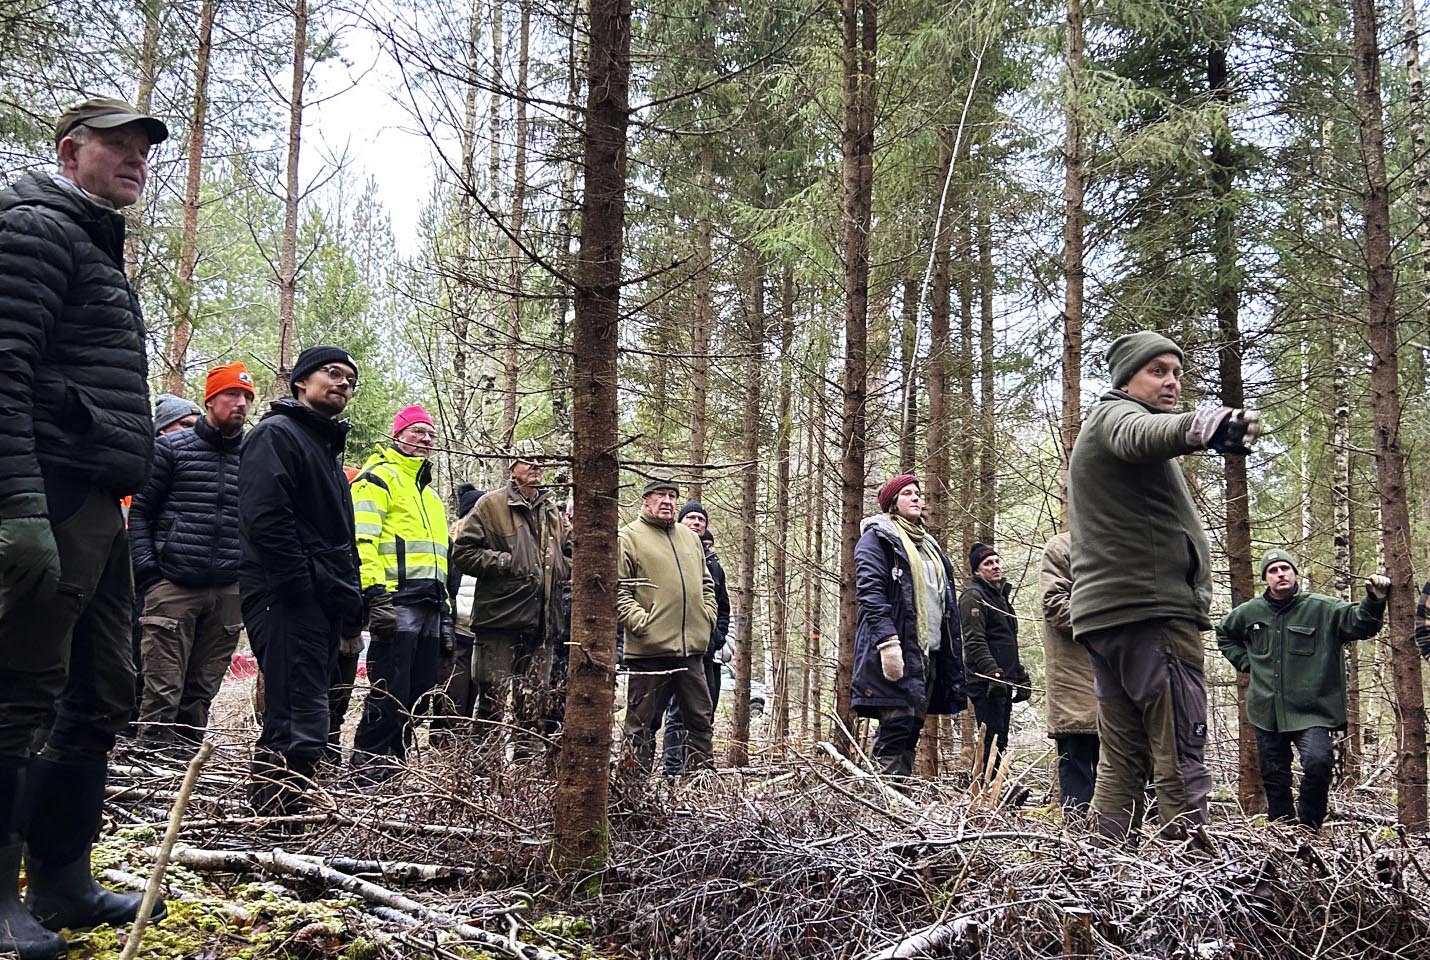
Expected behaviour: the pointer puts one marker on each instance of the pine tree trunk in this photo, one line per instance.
(779, 584)
(744, 612)
(1420, 172)
(968, 403)
(178, 352)
(1249, 791)
(288, 250)
(860, 31)
(987, 414)
(510, 367)
(580, 835)
(1074, 179)
(809, 662)
(703, 321)
(816, 628)
(940, 493)
(1385, 404)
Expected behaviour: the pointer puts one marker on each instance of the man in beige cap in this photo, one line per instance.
(77, 436)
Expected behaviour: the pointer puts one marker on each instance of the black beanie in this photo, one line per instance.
(693, 506)
(979, 553)
(319, 356)
(467, 496)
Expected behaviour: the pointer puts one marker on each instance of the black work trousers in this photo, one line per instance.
(401, 666)
(995, 713)
(296, 646)
(1313, 745)
(66, 664)
(1077, 769)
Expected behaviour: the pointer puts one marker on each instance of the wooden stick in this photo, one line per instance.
(161, 862)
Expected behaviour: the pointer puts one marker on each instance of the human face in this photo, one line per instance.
(660, 504)
(908, 504)
(991, 569)
(696, 522)
(186, 423)
(417, 440)
(1280, 579)
(327, 389)
(1158, 383)
(228, 409)
(113, 164)
(526, 475)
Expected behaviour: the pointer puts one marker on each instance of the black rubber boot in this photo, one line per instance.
(20, 933)
(64, 803)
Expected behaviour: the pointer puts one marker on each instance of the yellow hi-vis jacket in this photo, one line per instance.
(401, 523)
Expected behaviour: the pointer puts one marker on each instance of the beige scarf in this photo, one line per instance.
(930, 583)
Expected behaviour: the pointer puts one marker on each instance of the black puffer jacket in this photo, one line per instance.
(296, 515)
(74, 395)
(183, 527)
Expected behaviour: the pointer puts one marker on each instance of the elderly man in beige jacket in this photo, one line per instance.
(1072, 705)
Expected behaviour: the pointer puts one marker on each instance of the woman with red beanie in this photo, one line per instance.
(908, 659)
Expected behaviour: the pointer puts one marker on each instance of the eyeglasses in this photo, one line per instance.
(421, 433)
(334, 372)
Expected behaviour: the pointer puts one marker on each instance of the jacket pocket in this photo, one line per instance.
(1301, 640)
(1194, 561)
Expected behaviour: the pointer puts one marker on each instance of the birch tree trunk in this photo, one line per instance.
(1385, 403)
(580, 836)
(779, 585)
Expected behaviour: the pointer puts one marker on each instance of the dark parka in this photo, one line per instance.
(885, 586)
(74, 393)
(721, 630)
(990, 639)
(296, 514)
(183, 526)
(1296, 658)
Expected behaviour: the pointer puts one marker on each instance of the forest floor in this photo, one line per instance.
(797, 857)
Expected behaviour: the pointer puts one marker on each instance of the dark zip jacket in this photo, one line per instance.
(183, 526)
(296, 514)
(990, 639)
(74, 392)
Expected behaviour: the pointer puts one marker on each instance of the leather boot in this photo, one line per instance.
(20, 933)
(64, 802)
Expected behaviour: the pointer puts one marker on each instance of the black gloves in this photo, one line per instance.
(1225, 430)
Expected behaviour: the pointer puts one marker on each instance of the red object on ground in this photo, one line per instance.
(244, 666)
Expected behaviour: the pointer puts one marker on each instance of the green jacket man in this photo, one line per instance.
(1292, 645)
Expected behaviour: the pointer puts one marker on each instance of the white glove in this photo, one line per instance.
(726, 652)
(891, 659)
(1377, 585)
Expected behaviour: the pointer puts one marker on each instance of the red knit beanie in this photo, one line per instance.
(407, 416)
(889, 492)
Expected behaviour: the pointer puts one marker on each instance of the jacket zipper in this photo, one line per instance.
(680, 570)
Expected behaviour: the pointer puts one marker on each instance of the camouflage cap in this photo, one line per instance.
(106, 113)
(525, 451)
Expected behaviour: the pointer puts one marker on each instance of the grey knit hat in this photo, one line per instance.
(1131, 352)
(169, 410)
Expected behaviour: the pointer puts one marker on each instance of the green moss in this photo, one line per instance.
(564, 925)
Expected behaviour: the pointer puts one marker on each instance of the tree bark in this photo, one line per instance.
(288, 251)
(1420, 174)
(909, 379)
(1343, 548)
(177, 359)
(779, 586)
(1385, 404)
(987, 414)
(744, 611)
(940, 506)
(143, 100)
(560, 362)
(510, 366)
(703, 320)
(494, 106)
(1227, 298)
(580, 834)
(967, 418)
(1075, 221)
(860, 33)
(816, 628)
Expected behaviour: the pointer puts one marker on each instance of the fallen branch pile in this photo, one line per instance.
(799, 861)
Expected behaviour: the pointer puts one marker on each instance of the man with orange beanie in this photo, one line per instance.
(183, 533)
(401, 526)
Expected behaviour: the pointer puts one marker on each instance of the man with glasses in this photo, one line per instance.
(298, 577)
(402, 544)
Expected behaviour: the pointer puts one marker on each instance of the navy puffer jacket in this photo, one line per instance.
(885, 586)
(74, 392)
(183, 527)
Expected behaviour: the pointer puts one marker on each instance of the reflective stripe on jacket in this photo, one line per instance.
(400, 522)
